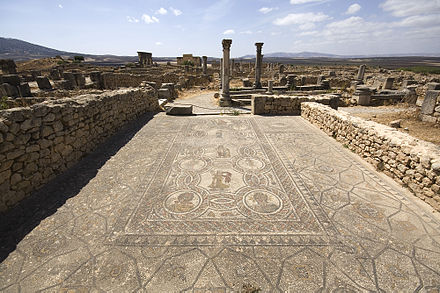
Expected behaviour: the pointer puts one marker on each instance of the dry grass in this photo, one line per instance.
(422, 130)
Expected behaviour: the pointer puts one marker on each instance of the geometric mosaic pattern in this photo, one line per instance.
(222, 182)
(223, 204)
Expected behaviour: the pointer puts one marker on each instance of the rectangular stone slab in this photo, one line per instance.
(429, 102)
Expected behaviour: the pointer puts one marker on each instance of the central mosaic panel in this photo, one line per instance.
(220, 181)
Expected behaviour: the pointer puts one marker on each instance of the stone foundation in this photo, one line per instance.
(290, 105)
(43, 140)
(413, 163)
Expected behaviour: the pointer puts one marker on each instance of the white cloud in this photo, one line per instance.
(161, 11)
(310, 33)
(293, 2)
(158, 43)
(176, 12)
(229, 32)
(275, 33)
(149, 19)
(307, 26)
(301, 18)
(420, 21)
(132, 19)
(354, 8)
(246, 32)
(266, 10)
(60, 6)
(403, 8)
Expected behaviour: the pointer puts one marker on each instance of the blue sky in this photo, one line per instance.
(171, 27)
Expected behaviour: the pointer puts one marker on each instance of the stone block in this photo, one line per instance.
(8, 66)
(69, 76)
(388, 83)
(429, 102)
(180, 110)
(24, 89)
(55, 74)
(95, 76)
(407, 83)
(79, 79)
(164, 94)
(433, 86)
(43, 83)
(12, 79)
(10, 90)
(246, 82)
(64, 84)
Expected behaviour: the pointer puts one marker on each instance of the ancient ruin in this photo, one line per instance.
(277, 176)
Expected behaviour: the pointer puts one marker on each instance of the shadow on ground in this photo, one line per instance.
(16, 223)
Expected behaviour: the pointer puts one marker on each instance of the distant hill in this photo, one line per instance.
(285, 55)
(20, 51)
(294, 55)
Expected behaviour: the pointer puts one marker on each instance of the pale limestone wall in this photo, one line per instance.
(291, 105)
(413, 163)
(43, 140)
(117, 80)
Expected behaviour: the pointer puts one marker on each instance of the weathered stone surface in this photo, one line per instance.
(10, 90)
(39, 141)
(395, 123)
(25, 90)
(291, 105)
(382, 146)
(433, 86)
(12, 79)
(246, 204)
(429, 102)
(180, 110)
(43, 83)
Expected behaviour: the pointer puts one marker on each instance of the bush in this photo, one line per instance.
(78, 58)
(3, 103)
(189, 63)
(422, 69)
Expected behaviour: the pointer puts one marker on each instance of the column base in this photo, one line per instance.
(225, 101)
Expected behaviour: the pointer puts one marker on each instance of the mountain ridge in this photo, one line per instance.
(20, 50)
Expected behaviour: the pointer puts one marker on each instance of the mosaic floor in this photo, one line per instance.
(226, 204)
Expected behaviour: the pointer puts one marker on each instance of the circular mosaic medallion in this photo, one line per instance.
(182, 202)
(250, 164)
(262, 202)
(193, 164)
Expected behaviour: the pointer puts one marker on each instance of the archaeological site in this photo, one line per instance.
(216, 171)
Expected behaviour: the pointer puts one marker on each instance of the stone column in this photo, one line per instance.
(270, 87)
(258, 63)
(205, 64)
(361, 72)
(225, 99)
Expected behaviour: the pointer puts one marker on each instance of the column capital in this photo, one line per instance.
(259, 45)
(226, 43)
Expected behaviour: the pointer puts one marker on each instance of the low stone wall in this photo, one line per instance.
(291, 105)
(43, 140)
(413, 163)
(117, 80)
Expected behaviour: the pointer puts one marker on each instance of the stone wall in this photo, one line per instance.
(413, 163)
(291, 105)
(117, 80)
(43, 140)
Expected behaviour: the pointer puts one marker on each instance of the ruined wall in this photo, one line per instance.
(409, 161)
(43, 140)
(275, 105)
(117, 80)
